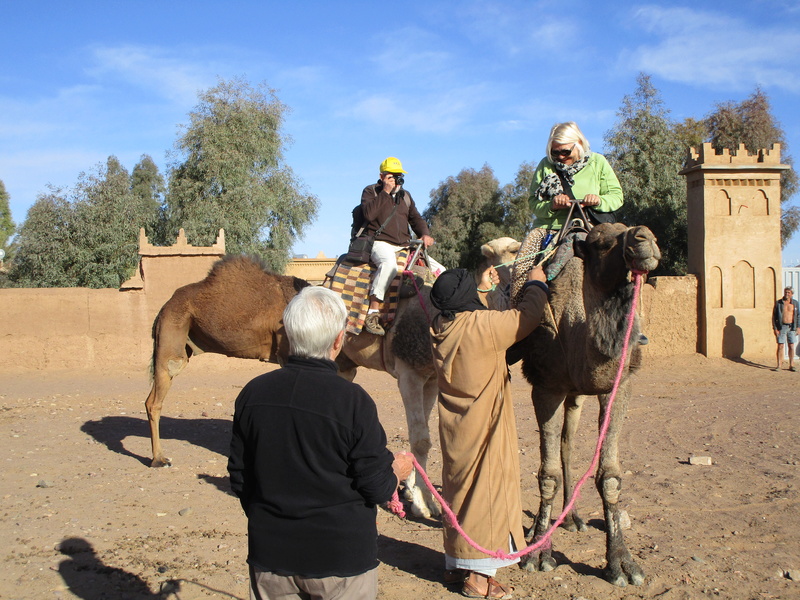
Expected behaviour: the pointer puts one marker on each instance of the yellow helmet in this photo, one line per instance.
(392, 165)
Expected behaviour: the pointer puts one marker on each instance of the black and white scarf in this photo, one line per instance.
(551, 184)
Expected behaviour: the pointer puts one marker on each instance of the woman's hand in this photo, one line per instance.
(560, 202)
(591, 200)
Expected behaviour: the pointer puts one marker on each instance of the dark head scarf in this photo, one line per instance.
(454, 291)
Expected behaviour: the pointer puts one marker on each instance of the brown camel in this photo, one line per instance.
(576, 352)
(236, 311)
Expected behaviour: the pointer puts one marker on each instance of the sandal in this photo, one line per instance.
(494, 589)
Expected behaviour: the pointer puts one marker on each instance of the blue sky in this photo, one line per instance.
(442, 85)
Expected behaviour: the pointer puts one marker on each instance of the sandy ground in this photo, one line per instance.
(84, 517)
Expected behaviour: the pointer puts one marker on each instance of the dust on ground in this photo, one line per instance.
(85, 517)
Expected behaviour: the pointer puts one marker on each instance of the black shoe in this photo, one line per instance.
(643, 340)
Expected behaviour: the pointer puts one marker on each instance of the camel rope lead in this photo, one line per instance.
(544, 541)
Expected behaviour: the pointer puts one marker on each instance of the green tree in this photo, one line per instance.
(149, 187)
(751, 123)
(464, 213)
(646, 154)
(45, 253)
(517, 218)
(86, 238)
(7, 227)
(108, 215)
(691, 133)
(230, 173)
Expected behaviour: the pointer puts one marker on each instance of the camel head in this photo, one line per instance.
(612, 250)
(501, 251)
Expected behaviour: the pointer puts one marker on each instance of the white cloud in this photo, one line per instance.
(153, 69)
(516, 28)
(712, 49)
(442, 112)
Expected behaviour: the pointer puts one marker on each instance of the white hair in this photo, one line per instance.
(567, 133)
(312, 320)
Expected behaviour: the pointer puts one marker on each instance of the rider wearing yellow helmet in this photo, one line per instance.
(378, 201)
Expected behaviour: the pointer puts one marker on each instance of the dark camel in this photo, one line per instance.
(574, 353)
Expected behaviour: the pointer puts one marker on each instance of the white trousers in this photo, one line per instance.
(384, 257)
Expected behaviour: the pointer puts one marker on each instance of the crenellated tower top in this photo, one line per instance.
(706, 156)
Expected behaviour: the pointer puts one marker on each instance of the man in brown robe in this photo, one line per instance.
(477, 429)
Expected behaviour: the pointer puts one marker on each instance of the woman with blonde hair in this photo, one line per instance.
(569, 170)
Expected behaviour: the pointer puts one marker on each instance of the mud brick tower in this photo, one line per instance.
(735, 247)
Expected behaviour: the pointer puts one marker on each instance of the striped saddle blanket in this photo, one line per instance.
(352, 283)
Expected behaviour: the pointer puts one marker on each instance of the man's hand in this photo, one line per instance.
(427, 240)
(389, 184)
(537, 274)
(403, 465)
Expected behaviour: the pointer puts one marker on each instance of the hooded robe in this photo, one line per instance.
(477, 429)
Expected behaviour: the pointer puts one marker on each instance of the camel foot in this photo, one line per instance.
(627, 571)
(419, 507)
(161, 461)
(574, 523)
(536, 561)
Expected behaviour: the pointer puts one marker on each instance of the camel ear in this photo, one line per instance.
(487, 251)
(514, 247)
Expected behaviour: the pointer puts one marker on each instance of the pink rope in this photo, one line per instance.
(396, 506)
(544, 541)
(412, 276)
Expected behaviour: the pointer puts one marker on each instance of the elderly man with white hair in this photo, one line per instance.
(309, 464)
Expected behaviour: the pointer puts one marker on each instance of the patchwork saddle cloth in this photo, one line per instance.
(352, 282)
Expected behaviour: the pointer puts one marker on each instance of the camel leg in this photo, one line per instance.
(572, 416)
(155, 399)
(169, 358)
(419, 396)
(621, 568)
(549, 408)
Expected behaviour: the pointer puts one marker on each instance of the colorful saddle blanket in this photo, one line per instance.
(352, 283)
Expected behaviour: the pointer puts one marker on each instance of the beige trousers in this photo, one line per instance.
(265, 585)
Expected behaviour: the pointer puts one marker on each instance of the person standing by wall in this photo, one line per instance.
(309, 464)
(785, 321)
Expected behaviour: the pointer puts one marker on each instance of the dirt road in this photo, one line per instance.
(84, 517)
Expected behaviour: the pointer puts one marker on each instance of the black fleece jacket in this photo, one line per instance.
(309, 463)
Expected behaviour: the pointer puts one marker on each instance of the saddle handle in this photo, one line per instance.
(419, 248)
(571, 223)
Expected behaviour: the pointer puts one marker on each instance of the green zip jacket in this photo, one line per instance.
(597, 177)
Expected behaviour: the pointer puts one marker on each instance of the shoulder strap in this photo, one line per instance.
(567, 187)
(386, 222)
(389, 218)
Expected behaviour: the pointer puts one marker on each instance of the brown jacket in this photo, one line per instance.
(477, 430)
(377, 206)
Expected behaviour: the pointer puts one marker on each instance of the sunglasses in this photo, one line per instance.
(563, 153)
